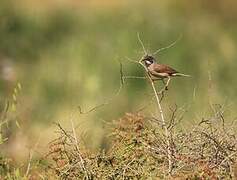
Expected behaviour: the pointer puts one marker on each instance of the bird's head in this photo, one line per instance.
(148, 60)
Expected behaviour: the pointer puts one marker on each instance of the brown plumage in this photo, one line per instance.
(159, 71)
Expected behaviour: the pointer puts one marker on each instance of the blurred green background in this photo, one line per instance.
(65, 54)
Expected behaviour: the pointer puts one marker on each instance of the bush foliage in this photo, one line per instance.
(138, 150)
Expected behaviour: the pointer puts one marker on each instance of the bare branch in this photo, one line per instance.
(142, 44)
(134, 77)
(164, 125)
(31, 156)
(77, 147)
(169, 46)
(121, 73)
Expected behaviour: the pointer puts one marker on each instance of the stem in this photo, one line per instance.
(167, 133)
(78, 149)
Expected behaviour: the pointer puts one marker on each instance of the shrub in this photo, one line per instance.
(138, 151)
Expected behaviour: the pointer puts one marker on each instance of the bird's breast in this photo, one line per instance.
(156, 73)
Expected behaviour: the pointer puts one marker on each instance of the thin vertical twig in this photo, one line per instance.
(164, 125)
(143, 47)
(31, 156)
(77, 147)
(158, 101)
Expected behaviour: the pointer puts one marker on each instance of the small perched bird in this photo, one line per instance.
(160, 71)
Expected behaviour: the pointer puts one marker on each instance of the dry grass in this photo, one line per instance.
(138, 151)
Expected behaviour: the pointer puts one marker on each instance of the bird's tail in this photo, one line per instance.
(180, 74)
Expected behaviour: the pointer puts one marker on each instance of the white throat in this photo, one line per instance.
(148, 62)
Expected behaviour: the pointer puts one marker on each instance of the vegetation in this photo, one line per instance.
(138, 150)
(58, 56)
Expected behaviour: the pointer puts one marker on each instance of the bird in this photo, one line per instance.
(159, 71)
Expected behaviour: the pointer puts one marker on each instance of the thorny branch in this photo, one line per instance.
(78, 149)
(139, 149)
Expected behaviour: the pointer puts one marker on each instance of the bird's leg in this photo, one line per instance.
(167, 83)
(164, 88)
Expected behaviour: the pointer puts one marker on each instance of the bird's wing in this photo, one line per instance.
(162, 68)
